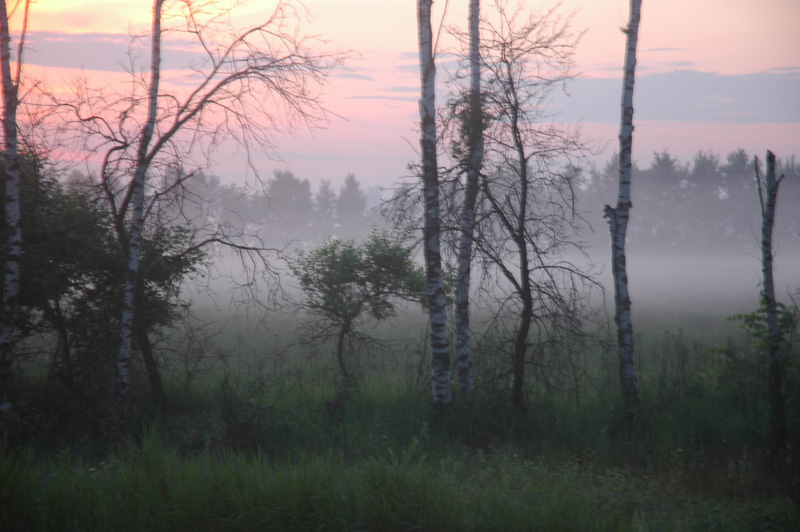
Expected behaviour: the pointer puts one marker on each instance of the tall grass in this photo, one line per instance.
(247, 444)
(151, 487)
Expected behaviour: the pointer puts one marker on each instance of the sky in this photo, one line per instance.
(713, 75)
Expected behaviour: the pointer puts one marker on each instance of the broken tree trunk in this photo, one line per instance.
(618, 224)
(767, 195)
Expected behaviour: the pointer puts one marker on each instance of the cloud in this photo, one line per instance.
(785, 70)
(665, 50)
(109, 52)
(353, 75)
(383, 97)
(688, 95)
(397, 88)
(408, 68)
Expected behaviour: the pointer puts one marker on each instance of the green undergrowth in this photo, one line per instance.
(150, 486)
(248, 445)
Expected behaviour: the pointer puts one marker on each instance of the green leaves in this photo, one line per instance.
(73, 271)
(342, 279)
(755, 323)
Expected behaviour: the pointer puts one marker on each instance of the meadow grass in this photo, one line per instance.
(152, 487)
(247, 445)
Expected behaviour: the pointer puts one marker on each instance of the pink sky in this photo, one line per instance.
(375, 137)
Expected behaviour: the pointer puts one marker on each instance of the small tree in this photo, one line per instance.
(70, 287)
(526, 222)
(345, 283)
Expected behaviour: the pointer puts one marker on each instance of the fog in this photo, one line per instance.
(693, 240)
(721, 284)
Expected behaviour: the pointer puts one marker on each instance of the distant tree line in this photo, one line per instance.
(707, 206)
(285, 211)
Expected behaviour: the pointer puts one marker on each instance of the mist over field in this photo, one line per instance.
(313, 265)
(693, 244)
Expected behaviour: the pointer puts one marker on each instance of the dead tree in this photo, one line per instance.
(618, 224)
(767, 197)
(527, 218)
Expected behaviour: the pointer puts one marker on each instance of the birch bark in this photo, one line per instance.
(143, 157)
(11, 201)
(767, 195)
(618, 225)
(475, 155)
(440, 341)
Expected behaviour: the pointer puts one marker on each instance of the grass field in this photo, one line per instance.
(246, 443)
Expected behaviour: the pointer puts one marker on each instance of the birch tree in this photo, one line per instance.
(11, 196)
(244, 85)
(474, 135)
(137, 191)
(618, 224)
(437, 304)
(767, 197)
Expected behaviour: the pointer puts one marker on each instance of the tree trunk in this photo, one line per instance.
(11, 203)
(157, 394)
(343, 332)
(134, 238)
(521, 349)
(525, 291)
(475, 129)
(618, 225)
(153, 377)
(66, 375)
(440, 341)
(777, 414)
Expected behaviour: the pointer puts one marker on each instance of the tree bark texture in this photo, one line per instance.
(134, 237)
(618, 224)
(440, 342)
(768, 194)
(475, 163)
(11, 203)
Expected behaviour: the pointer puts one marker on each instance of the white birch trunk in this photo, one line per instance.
(11, 203)
(767, 195)
(134, 237)
(475, 140)
(618, 224)
(440, 342)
